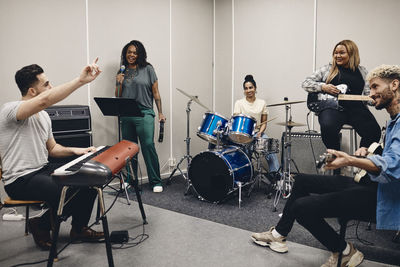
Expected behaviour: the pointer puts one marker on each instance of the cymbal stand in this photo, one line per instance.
(285, 184)
(188, 157)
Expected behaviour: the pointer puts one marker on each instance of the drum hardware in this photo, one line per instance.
(259, 175)
(219, 131)
(240, 185)
(285, 184)
(188, 157)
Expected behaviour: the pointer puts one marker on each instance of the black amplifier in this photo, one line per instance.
(70, 118)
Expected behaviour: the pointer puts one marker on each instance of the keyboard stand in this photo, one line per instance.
(53, 249)
(135, 185)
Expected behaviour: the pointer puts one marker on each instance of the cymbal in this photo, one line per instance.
(194, 98)
(290, 124)
(285, 103)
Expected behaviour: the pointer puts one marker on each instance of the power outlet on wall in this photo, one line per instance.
(171, 162)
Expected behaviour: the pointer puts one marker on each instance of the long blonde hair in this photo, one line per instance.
(354, 58)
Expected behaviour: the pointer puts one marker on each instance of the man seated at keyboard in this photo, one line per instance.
(26, 141)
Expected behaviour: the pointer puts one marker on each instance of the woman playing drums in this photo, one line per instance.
(256, 108)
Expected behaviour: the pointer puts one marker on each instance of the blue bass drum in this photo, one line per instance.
(211, 123)
(241, 129)
(214, 173)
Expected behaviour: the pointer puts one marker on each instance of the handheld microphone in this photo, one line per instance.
(161, 133)
(122, 69)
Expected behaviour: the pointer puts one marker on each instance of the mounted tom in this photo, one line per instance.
(317, 102)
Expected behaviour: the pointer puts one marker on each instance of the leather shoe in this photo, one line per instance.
(42, 237)
(86, 234)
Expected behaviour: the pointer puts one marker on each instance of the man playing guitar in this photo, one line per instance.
(316, 197)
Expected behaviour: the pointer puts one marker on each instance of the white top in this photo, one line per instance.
(255, 109)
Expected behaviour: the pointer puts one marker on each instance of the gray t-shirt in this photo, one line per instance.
(22, 143)
(138, 84)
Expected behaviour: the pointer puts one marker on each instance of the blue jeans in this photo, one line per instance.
(272, 159)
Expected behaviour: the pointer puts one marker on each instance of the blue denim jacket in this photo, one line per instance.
(388, 199)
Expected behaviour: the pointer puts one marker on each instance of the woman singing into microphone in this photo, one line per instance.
(139, 81)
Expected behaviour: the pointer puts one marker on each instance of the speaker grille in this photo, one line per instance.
(303, 145)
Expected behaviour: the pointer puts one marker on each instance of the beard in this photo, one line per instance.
(384, 104)
(386, 98)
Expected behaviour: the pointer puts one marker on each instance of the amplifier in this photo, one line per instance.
(70, 118)
(305, 150)
(76, 139)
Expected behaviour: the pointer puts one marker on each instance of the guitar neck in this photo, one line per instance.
(354, 97)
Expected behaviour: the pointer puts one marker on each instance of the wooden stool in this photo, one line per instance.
(10, 203)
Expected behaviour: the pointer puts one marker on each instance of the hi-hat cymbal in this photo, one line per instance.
(290, 124)
(285, 103)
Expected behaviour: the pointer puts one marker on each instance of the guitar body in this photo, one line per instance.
(318, 101)
(373, 149)
(315, 104)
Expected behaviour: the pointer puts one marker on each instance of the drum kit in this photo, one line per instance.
(218, 172)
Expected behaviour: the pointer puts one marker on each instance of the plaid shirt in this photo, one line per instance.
(313, 83)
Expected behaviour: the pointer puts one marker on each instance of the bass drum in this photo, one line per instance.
(214, 173)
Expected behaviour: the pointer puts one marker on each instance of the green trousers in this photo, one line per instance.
(143, 128)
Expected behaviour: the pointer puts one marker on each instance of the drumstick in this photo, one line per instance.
(258, 126)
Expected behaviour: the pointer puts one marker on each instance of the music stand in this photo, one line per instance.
(122, 107)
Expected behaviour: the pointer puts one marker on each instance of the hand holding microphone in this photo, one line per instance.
(120, 75)
(120, 79)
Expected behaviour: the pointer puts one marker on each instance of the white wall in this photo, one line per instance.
(271, 39)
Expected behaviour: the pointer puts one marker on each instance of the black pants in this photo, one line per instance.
(315, 197)
(41, 186)
(362, 120)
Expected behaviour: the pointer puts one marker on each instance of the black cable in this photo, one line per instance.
(362, 241)
(143, 237)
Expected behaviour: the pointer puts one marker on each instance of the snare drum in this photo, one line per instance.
(241, 129)
(266, 145)
(214, 173)
(211, 123)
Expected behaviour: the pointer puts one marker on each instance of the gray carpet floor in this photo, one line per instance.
(256, 214)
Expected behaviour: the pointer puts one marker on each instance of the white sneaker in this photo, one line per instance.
(157, 189)
(266, 239)
(353, 259)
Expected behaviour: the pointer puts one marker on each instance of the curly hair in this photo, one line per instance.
(385, 72)
(141, 52)
(354, 58)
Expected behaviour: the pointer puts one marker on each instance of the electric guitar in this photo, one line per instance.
(317, 102)
(373, 149)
